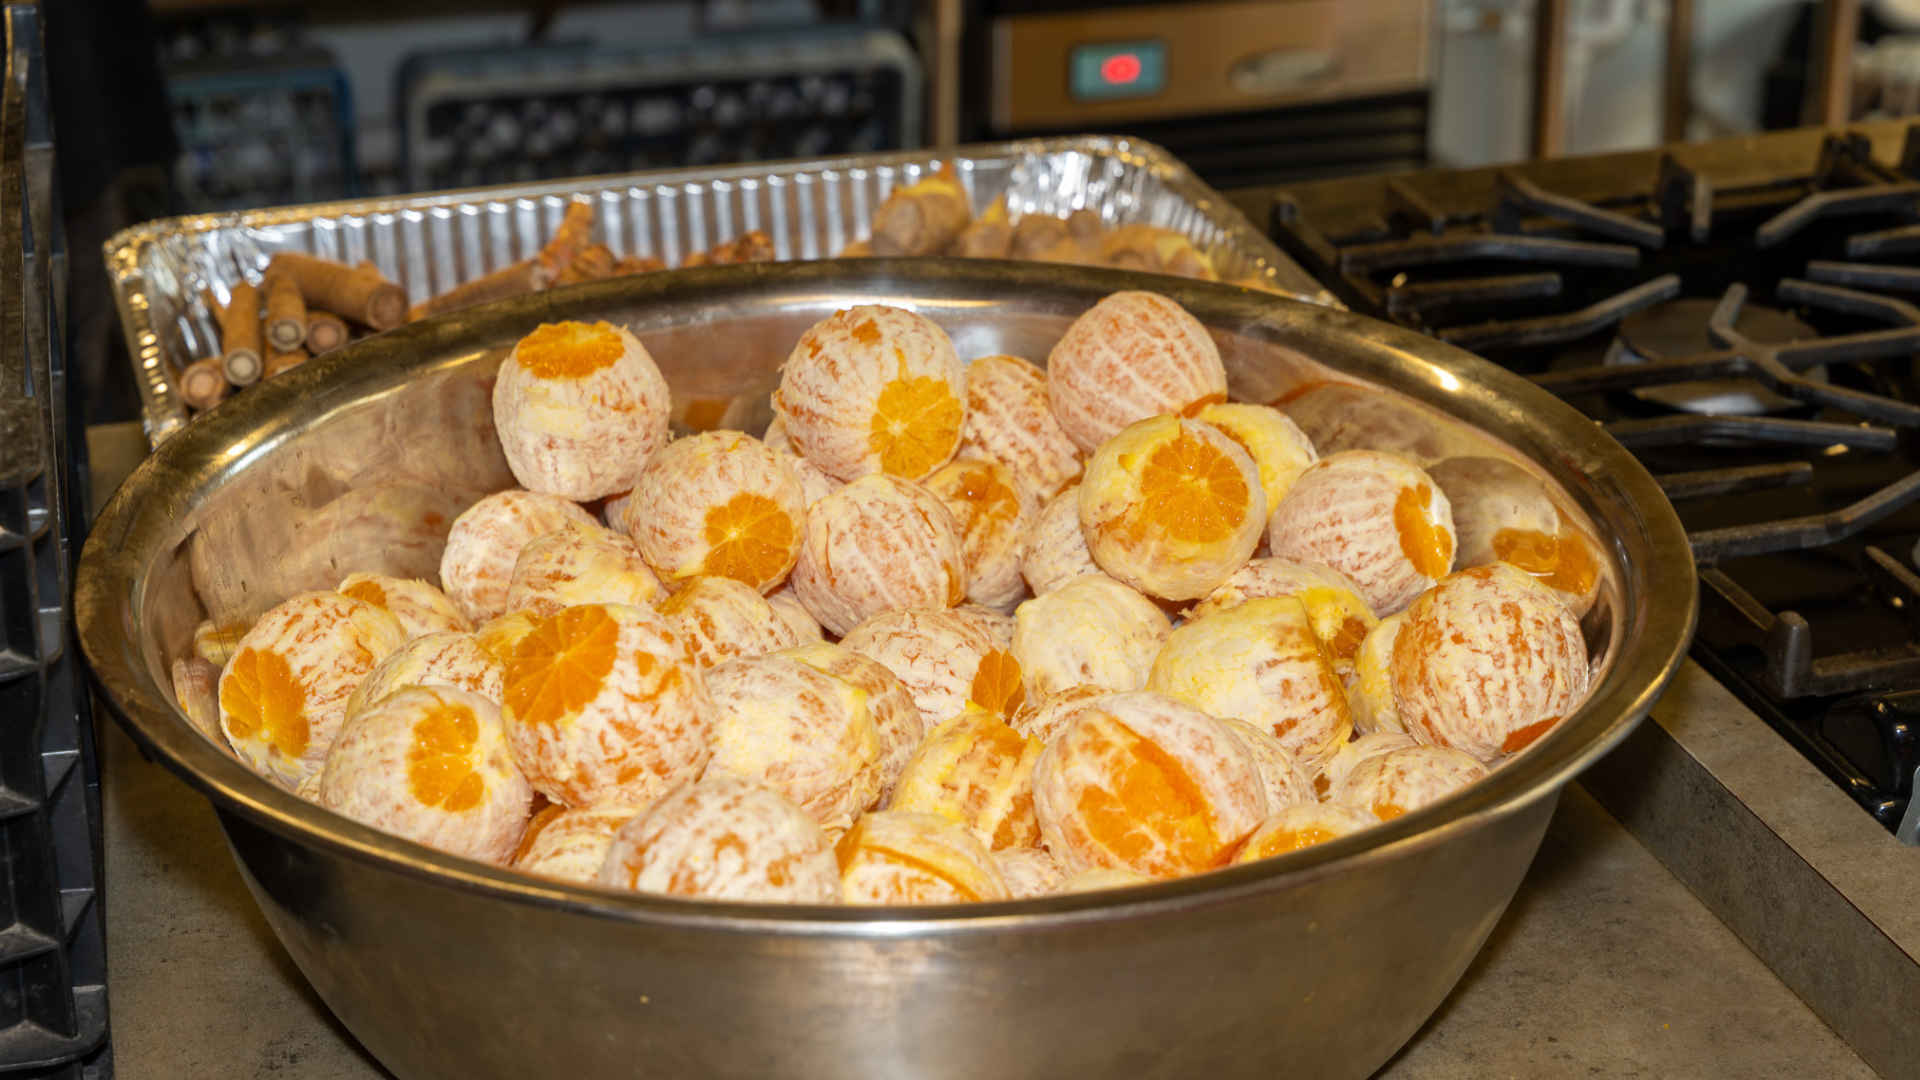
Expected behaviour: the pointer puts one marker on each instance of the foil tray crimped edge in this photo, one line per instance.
(812, 209)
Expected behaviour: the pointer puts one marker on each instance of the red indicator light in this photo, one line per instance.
(1120, 68)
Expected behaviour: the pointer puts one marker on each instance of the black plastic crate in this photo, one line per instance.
(262, 131)
(53, 998)
(473, 117)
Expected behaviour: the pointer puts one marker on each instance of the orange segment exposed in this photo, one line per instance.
(704, 414)
(921, 866)
(542, 818)
(560, 667)
(997, 684)
(1427, 546)
(501, 636)
(988, 496)
(1002, 749)
(1281, 841)
(1193, 408)
(1239, 440)
(750, 539)
(1331, 688)
(1560, 562)
(1345, 642)
(569, 350)
(1152, 806)
(439, 765)
(367, 592)
(1193, 491)
(859, 844)
(1517, 741)
(916, 426)
(263, 699)
(848, 845)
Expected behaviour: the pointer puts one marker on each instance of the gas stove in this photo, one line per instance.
(1745, 333)
(1745, 316)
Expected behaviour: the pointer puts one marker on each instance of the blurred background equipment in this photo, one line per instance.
(261, 121)
(514, 115)
(1245, 91)
(291, 102)
(296, 101)
(109, 104)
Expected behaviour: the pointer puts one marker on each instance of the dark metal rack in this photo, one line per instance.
(53, 1008)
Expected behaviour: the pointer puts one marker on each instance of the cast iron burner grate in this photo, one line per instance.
(1763, 369)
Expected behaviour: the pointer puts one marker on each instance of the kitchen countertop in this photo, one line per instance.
(1604, 964)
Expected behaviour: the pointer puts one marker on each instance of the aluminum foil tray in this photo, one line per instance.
(812, 210)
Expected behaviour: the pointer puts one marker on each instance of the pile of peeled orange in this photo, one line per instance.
(948, 632)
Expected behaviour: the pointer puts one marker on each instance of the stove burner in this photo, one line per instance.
(1683, 196)
(1520, 196)
(1571, 326)
(1851, 183)
(1777, 367)
(1681, 328)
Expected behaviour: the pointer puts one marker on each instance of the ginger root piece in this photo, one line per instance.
(570, 241)
(278, 362)
(1087, 228)
(923, 218)
(325, 332)
(521, 277)
(286, 320)
(358, 293)
(1036, 234)
(594, 262)
(203, 384)
(1160, 251)
(636, 264)
(989, 237)
(240, 350)
(753, 246)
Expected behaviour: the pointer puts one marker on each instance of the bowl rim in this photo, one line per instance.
(1658, 594)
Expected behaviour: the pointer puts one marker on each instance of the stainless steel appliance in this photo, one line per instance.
(1245, 91)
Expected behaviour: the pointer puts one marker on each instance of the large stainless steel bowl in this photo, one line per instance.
(1318, 964)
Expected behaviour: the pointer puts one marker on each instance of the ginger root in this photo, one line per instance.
(922, 219)
(990, 236)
